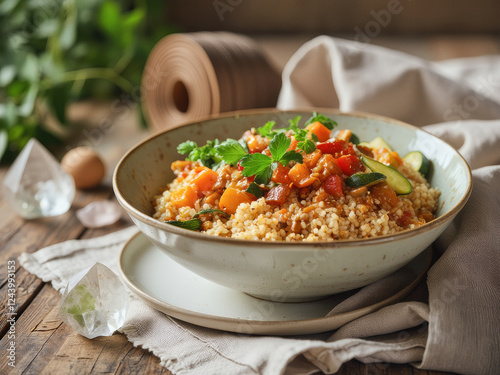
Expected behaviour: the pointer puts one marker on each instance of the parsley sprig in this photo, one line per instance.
(262, 166)
(206, 155)
(327, 121)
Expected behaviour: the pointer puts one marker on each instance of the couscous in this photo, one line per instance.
(297, 184)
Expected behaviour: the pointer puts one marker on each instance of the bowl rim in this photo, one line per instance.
(149, 220)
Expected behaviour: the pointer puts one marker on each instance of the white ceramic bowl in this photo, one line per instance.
(283, 271)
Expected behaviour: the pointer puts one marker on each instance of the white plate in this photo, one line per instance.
(176, 291)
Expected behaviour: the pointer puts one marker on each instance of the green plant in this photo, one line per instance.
(53, 52)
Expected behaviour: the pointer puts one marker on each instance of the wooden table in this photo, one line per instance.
(44, 344)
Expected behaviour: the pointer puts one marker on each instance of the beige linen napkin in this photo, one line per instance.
(462, 333)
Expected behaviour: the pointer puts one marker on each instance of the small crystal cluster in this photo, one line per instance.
(36, 185)
(95, 302)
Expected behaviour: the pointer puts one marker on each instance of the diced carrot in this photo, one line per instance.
(301, 176)
(345, 135)
(320, 130)
(278, 195)
(293, 144)
(312, 159)
(185, 196)
(232, 198)
(204, 178)
(280, 175)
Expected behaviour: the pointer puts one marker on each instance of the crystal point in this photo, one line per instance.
(95, 302)
(36, 185)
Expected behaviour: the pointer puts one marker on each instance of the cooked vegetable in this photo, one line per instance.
(191, 224)
(331, 147)
(301, 176)
(210, 211)
(349, 164)
(333, 186)
(345, 135)
(254, 189)
(395, 179)
(377, 143)
(364, 179)
(384, 195)
(185, 196)
(204, 178)
(319, 130)
(280, 175)
(418, 162)
(232, 198)
(278, 195)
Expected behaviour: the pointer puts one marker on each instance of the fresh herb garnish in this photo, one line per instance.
(328, 122)
(210, 211)
(192, 224)
(302, 136)
(254, 189)
(231, 151)
(267, 129)
(355, 139)
(262, 166)
(206, 155)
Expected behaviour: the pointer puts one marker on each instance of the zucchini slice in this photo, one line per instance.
(364, 179)
(395, 179)
(377, 143)
(418, 162)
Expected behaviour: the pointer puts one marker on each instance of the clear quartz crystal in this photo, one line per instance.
(36, 185)
(99, 214)
(95, 302)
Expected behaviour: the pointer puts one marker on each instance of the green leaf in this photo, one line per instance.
(67, 37)
(29, 69)
(57, 98)
(307, 145)
(133, 18)
(254, 164)
(289, 156)
(231, 152)
(255, 189)
(192, 224)
(355, 139)
(8, 114)
(211, 211)
(110, 18)
(3, 142)
(26, 108)
(278, 146)
(328, 122)
(266, 130)
(264, 176)
(186, 147)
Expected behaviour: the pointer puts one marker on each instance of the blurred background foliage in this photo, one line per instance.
(54, 52)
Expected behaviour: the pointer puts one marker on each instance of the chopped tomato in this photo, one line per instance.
(280, 175)
(278, 195)
(349, 164)
(333, 186)
(331, 147)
